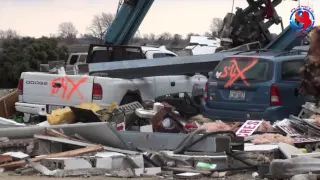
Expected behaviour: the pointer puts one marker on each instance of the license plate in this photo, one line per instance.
(237, 95)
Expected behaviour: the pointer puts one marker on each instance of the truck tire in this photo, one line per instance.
(129, 98)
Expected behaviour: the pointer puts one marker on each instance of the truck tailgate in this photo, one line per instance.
(55, 89)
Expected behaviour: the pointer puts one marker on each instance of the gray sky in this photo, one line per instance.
(42, 17)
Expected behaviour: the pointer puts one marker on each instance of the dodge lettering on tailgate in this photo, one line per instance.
(37, 82)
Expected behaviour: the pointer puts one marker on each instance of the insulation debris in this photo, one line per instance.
(271, 139)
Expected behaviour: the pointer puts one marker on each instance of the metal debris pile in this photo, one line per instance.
(167, 138)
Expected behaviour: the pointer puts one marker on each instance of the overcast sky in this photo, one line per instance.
(42, 17)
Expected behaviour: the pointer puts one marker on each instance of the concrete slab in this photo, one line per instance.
(114, 161)
(289, 150)
(147, 171)
(66, 163)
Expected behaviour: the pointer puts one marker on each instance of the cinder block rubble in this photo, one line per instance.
(112, 161)
(66, 163)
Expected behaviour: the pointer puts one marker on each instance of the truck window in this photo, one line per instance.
(158, 55)
(169, 55)
(73, 59)
(259, 72)
(161, 55)
(290, 70)
(83, 58)
(115, 55)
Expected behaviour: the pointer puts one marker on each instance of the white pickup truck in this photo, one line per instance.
(39, 92)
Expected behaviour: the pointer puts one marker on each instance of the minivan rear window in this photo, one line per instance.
(244, 69)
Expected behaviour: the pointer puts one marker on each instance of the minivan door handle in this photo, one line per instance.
(172, 83)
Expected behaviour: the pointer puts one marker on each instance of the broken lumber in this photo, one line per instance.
(5, 159)
(72, 153)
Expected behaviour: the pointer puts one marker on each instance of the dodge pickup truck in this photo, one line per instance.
(39, 93)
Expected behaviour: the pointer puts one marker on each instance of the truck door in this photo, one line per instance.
(162, 85)
(82, 59)
(186, 83)
(55, 89)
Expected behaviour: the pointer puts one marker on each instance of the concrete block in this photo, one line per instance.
(47, 147)
(147, 171)
(112, 161)
(289, 150)
(105, 163)
(66, 163)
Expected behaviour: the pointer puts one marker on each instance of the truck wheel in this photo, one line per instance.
(129, 98)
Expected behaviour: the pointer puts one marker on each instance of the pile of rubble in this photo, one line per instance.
(167, 138)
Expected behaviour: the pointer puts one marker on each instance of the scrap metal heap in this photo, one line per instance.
(167, 137)
(248, 25)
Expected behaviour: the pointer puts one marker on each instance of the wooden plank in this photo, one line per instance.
(5, 159)
(7, 104)
(72, 153)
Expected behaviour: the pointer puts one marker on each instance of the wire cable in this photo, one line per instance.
(187, 143)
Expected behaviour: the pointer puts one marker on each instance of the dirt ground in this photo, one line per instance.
(7, 176)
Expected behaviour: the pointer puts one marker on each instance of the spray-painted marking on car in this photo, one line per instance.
(235, 73)
(67, 84)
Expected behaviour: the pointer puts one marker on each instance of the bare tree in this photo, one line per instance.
(176, 40)
(216, 26)
(100, 24)
(165, 36)
(145, 36)
(8, 34)
(152, 37)
(67, 31)
(208, 34)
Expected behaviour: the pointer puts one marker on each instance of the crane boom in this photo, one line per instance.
(286, 40)
(127, 21)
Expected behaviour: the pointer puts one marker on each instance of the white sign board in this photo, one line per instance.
(286, 126)
(248, 128)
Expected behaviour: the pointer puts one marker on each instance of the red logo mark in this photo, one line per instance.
(304, 18)
(64, 83)
(235, 73)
